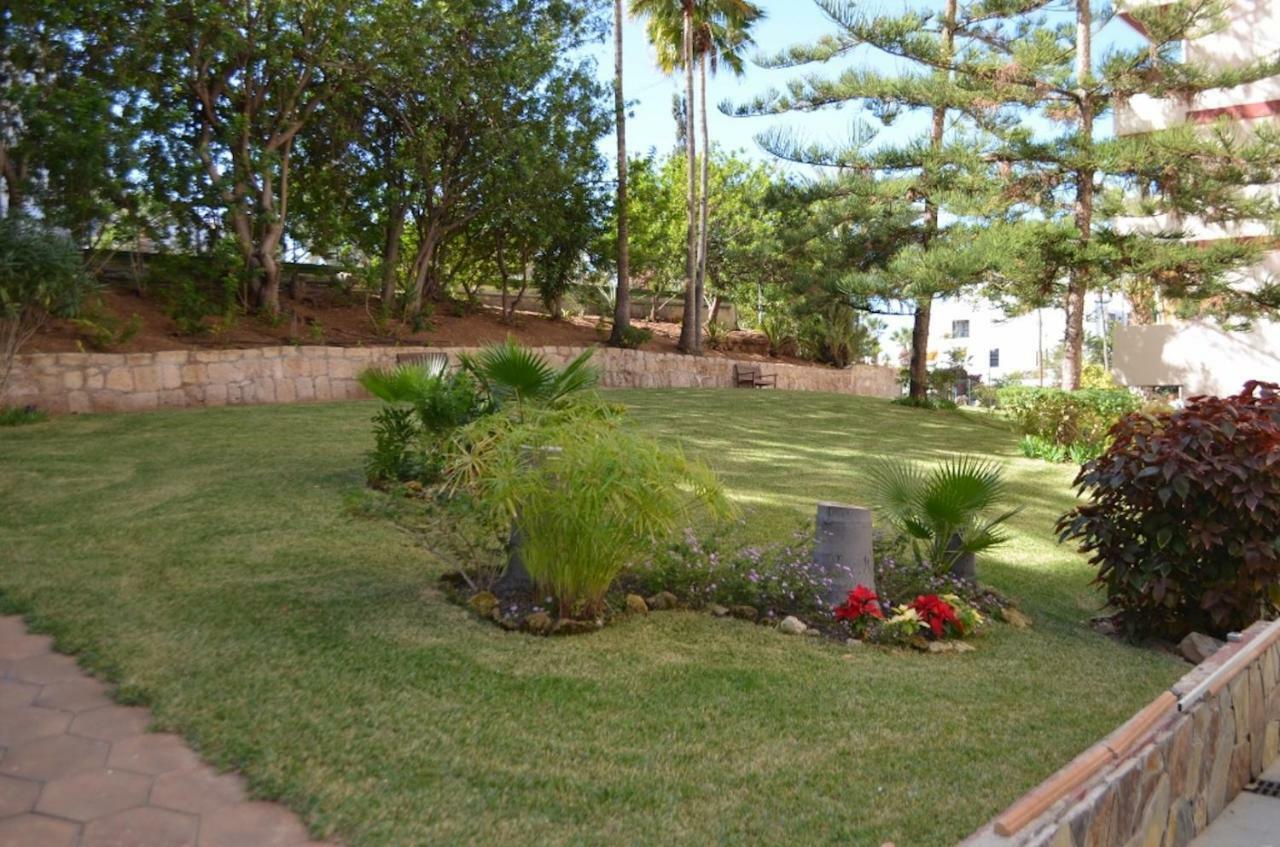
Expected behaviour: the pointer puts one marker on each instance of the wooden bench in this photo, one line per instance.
(749, 376)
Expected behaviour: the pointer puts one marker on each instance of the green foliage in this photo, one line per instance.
(41, 275)
(932, 403)
(21, 415)
(1066, 418)
(398, 452)
(837, 336)
(946, 511)
(101, 330)
(589, 496)
(509, 373)
(426, 405)
(634, 337)
(1183, 515)
(779, 330)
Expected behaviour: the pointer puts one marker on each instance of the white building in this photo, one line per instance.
(1201, 357)
(995, 346)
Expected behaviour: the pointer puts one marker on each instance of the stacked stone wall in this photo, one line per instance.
(101, 382)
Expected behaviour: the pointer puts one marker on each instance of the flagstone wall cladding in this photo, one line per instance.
(101, 382)
(1176, 779)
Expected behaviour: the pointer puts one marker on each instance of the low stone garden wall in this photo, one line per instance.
(1162, 777)
(100, 382)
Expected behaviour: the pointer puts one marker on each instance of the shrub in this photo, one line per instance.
(21, 415)
(103, 331)
(1183, 518)
(932, 403)
(425, 407)
(944, 512)
(1066, 417)
(588, 496)
(509, 373)
(397, 447)
(41, 276)
(634, 337)
(776, 579)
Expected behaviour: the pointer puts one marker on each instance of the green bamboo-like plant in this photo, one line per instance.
(946, 511)
(589, 497)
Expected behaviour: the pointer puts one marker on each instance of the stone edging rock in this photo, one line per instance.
(102, 382)
(1163, 776)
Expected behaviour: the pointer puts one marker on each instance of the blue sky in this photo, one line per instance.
(787, 22)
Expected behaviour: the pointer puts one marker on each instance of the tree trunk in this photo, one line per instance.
(391, 257)
(423, 266)
(622, 294)
(1079, 277)
(700, 281)
(918, 386)
(919, 382)
(690, 332)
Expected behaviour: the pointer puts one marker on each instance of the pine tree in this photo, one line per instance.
(1070, 187)
(926, 173)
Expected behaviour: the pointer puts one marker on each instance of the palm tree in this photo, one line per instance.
(622, 296)
(945, 512)
(664, 19)
(708, 33)
(720, 34)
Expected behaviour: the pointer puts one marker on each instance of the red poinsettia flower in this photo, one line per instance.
(937, 613)
(861, 602)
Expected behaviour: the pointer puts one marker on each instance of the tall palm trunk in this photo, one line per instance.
(622, 296)
(1079, 278)
(690, 334)
(703, 214)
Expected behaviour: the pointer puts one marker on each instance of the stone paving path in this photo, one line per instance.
(77, 770)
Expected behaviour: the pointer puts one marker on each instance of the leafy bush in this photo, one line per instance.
(1038, 447)
(41, 276)
(103, 331)
(779, 331)
(1183, 518)
(634, 337)
(777, 580)
(21, 415)
(932, 403)
(1066, 417)
(397, 453)
(782, 578)
(588, 496)
(426, 406)
(944, 512)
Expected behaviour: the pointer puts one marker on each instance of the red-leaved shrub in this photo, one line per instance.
(1183, 518)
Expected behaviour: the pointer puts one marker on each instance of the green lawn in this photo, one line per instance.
(205, 561)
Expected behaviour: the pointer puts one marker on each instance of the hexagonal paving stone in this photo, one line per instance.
(144, 826)
(153, 754)
(42, 670)
(27, 723)
(93, 794)
(74, 695)
(19, 647)
(200, 790)
(14, 693)
(17, 795)
(257, 824)
(33, 830)
(111, 723)
(54, 757)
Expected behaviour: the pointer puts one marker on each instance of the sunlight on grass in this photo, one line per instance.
(204, 560)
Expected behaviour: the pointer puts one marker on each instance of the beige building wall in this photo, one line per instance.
(1199, 357)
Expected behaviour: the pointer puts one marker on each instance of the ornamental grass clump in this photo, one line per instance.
(588, 496)
(1183, 518)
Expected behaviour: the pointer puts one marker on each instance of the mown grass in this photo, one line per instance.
(204, 559)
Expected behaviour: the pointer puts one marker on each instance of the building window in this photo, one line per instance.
(959, 329)
(993, 358)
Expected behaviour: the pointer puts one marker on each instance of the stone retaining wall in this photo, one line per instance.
(1162, 778)
(99, 382)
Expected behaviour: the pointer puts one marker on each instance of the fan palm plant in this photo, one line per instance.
(946, 511)
(510, 373)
